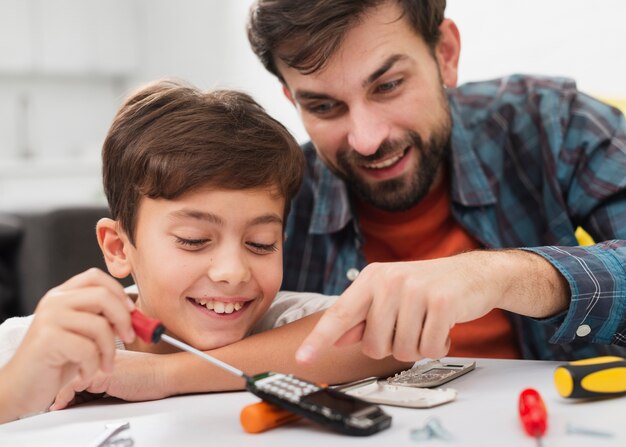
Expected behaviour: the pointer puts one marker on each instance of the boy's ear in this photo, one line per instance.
(113, 243)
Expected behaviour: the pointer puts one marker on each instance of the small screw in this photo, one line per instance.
(431, 429)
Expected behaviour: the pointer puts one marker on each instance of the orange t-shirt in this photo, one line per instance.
(429, 231)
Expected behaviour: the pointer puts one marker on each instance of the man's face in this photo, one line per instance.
(209, 263)
(377, 113)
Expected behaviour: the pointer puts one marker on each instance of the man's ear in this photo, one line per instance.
(448, 51)
(287, 94)
(113, 243)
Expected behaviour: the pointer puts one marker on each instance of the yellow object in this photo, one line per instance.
(583, 237)
(620, 103)
(564, 382)
(595, 377)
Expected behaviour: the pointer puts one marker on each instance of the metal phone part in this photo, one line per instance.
(380, 392)
(431, 374)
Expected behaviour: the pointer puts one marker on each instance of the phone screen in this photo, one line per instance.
(336, 401)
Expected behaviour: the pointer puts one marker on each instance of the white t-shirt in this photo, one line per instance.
(286, 307)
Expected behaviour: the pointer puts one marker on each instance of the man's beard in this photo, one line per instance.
(398, 194)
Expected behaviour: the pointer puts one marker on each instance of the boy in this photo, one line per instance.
(199, 185)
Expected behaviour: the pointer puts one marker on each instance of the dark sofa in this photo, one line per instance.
(42, 249)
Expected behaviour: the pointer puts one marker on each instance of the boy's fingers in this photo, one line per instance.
(97, 300)
(96, 329)
(93, 277)
(63, 397)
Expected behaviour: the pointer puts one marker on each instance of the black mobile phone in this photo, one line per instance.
(328, 407)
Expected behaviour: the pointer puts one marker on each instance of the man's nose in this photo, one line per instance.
(228, 266)
(368, 130)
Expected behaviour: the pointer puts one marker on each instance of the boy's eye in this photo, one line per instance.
(388, 86)
(262, 248)
(191, 243)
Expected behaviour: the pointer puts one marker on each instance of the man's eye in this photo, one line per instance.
(388, 86)
(262, 248)
(321, 108)
(191, 243)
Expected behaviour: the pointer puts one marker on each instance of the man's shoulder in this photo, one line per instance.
(513, 86)
(517, 90)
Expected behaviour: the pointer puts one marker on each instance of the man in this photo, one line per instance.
(410, 177)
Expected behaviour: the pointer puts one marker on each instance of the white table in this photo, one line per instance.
(484, 414)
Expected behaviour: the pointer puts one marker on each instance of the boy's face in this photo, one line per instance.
(209, 263)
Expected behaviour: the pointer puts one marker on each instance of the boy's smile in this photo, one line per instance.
(209, 263)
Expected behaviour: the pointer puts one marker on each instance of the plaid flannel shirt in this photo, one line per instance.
(532, 158)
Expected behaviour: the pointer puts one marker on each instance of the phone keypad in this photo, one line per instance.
(286, 386)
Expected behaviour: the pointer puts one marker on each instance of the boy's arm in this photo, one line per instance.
(139, 376)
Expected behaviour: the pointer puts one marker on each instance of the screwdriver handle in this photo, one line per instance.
(147, 329)
(594, 377)
(533, 413)
(263, 416)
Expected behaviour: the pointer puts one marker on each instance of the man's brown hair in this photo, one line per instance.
(169, 138)
(305, 33)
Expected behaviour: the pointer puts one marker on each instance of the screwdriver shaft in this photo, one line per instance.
(185, 347)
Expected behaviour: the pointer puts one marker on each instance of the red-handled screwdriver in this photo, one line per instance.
(533, 413)
(151, 330)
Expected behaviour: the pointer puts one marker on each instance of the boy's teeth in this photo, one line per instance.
(220, 307)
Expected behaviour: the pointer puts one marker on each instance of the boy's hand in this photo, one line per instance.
(72, 336)
(134, 378)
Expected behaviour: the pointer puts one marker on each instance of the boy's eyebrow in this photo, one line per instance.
(199, 215)
(269, 218)
(384, 68)
(212, 218)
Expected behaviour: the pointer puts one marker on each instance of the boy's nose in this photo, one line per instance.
(367, 130)
(230, 268)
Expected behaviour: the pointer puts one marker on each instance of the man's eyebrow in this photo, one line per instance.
(309, 95)
(389, 62)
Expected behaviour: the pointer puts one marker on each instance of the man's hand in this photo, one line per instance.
(407, 309)
(72, 335)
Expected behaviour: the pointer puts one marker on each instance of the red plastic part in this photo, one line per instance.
(533, 413)
(148, 329)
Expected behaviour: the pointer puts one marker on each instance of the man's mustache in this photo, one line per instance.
(387, 148)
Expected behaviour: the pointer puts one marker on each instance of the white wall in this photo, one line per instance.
(65, 65)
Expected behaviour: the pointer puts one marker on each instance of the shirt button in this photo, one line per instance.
(352, 274)
(583, 330)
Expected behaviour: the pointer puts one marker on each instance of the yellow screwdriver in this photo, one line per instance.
(594, 377)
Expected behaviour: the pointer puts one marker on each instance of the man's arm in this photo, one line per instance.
(406, 309)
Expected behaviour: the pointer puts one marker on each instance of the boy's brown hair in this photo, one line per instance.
(305, 33)
(169, 138)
